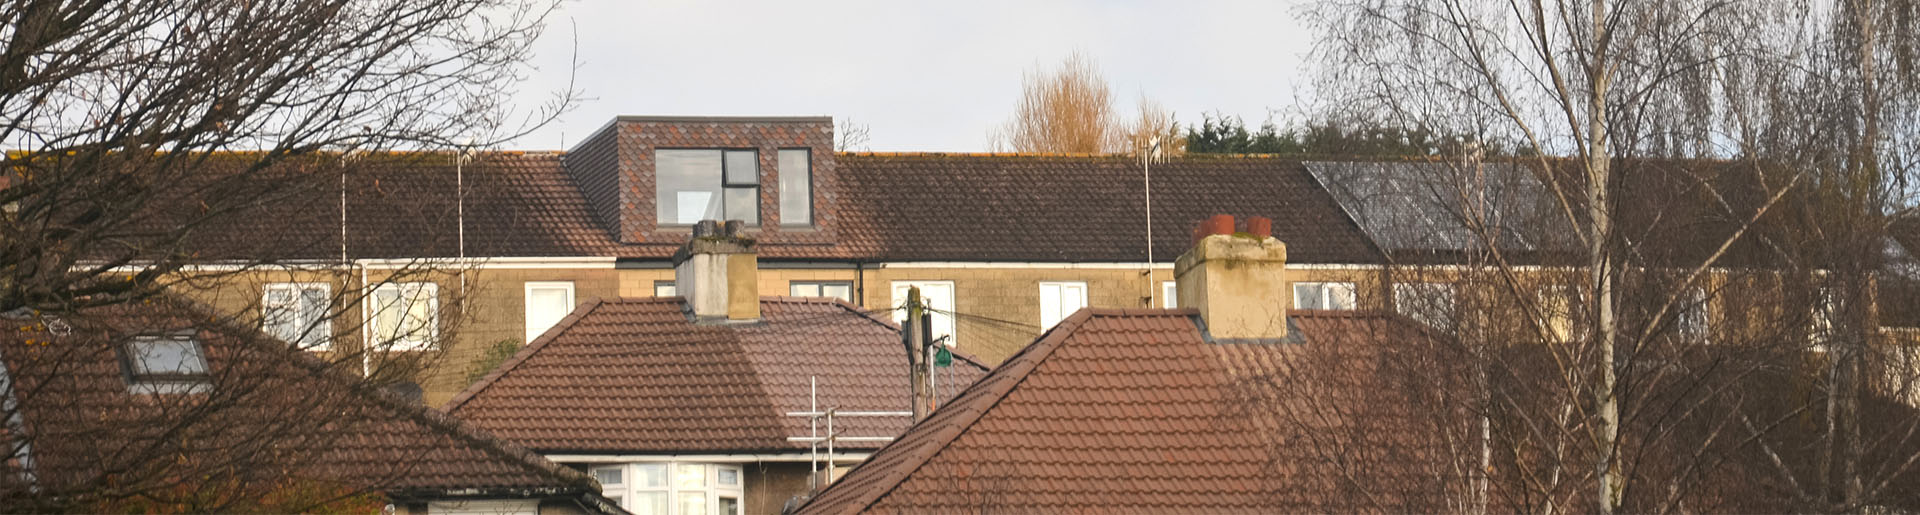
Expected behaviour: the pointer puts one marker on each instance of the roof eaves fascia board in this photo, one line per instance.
(1020, 265)
(723, 119)
(707, 458)
(498, 263)
(504, 263)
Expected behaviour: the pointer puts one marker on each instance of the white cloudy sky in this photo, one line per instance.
(933, 76)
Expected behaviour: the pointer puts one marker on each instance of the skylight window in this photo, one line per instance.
(173, 363)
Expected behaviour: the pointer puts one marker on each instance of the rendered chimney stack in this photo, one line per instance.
(1237, 280)
(719, 274)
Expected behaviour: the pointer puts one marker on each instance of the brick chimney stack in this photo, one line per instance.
(1236, 279)
(719, 273)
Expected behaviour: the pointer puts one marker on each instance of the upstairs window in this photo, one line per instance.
(1559, 305)
(1169, 294)
(938, 297)
(547, 303)
(1058, 300)
(1826, 306)
(1323, 295)
(1429, 303)
(1692, 316)
(665, 289)
(842, 290)
(406, 316)
(171, 363)
(695, 185)
(796, 187)
(296, 313)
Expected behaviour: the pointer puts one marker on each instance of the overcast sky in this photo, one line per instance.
(928, 76)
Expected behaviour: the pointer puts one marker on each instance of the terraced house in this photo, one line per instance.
(459, 253)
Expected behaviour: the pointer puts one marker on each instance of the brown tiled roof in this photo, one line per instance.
(1127, 411)
(635, 375)
(938, 207)
(274, 413)
(889, 207)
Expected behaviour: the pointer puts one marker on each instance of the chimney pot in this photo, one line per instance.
(735, 228)
(1238, 284)
(1260, 226)
(706, 229)
(1219, 224)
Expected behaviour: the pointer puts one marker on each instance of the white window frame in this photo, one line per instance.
(669, 285)
(1060, 290)
(1404, 293)
(1694, 319)
(142, 380)
(1820, 324)
(319, 329)
(431, 291)
(712, 490)
(532, 332)
(1170, 294)
(819, 289)
(1326, 289)
(1559, 311)
(943, 324)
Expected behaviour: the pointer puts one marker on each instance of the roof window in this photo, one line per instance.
(168, 363)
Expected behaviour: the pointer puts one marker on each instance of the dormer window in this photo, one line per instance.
(796, 187)
(695, 185)
(169, 363)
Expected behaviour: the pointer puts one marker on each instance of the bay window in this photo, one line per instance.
(678, 488)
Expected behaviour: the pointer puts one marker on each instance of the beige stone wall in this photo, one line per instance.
(1006, 301)
(770, 484)
(489, 306)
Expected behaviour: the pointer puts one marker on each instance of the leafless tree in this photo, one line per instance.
(852, 137)
(191, 149)
(1069, 110)
(1704, 176)
(1154, 124)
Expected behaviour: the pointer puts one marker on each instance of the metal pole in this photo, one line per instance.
(1146, 177)
(813, 432)
(460, 199)
(933, 387)
(830, 437)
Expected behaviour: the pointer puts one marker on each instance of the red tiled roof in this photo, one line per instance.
(271, 412)
(635, 375)
(1125, 411)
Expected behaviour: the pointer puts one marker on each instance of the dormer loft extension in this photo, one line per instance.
(650, 178)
